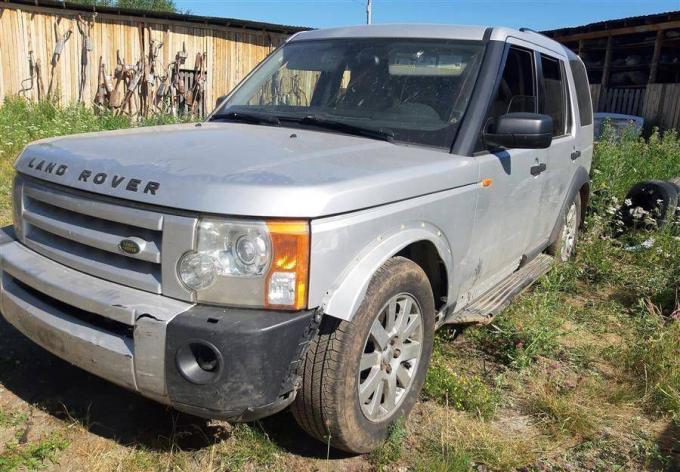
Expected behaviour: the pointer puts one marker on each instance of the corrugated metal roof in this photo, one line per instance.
(204, 20)
(616, 23)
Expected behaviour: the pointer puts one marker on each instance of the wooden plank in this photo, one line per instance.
(654, 66)
(675, 122)
(607, 62)
(636, 101)
(617, 31)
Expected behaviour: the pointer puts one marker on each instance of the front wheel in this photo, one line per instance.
(359, 377)
(564, 249)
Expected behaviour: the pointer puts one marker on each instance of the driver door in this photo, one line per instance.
(508, 202)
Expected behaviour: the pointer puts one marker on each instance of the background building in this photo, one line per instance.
(633, 65)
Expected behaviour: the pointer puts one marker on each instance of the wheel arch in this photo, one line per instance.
(579, 185)
(424, 244)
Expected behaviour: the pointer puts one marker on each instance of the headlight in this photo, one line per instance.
(249, 263)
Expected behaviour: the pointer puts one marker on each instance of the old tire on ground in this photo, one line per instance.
(564, 248)
(659, 199)
(335, 402)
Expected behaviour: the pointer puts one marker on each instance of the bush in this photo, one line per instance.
(462, 392)
(23, 121)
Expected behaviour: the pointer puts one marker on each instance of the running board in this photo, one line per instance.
(483, 310)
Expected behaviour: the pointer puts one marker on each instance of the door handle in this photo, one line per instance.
(538, 168)
(575, 155)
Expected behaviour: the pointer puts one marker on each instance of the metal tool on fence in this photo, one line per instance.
(38, 78)
(134, 76)
(31, 75)
(56, 54)
(119, 74)
(197, 103)
(85, 29)
(104, 87)
(177, 87)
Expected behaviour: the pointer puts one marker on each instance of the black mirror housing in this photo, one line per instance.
(520, 130)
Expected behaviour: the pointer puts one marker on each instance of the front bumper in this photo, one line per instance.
(132, 338)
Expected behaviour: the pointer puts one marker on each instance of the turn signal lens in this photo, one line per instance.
(289, 272)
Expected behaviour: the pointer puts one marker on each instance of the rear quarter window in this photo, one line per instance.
(582, 92)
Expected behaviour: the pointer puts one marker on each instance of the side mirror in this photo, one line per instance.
(520, 130)
(219, 101)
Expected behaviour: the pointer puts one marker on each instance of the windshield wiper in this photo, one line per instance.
(247, 117)
(384, 134)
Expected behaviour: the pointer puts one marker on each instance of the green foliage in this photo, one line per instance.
(653, 359)
(391, 450)
(617, 166)
(148, 5)
(23, 121)
(251, 447)
(13, 418)
(528, 329)
(446, 459)
(33, 455)
(459, 391)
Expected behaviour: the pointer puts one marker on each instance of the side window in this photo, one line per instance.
(585, 105)
(517, 88)
(555, 94)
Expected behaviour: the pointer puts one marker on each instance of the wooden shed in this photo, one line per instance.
(633, 65)
(31, 32)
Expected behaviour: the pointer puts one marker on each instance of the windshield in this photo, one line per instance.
(413, 91)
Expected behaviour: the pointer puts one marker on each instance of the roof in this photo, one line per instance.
(632, 21)
(397, 31)
(431, 31)
(180, 17)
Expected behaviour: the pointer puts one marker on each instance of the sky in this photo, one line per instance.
(535, 14)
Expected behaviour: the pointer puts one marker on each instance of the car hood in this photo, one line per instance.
(242, 169)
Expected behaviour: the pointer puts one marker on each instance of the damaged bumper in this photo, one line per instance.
(215, 362)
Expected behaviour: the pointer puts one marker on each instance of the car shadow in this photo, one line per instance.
(669, 447)
(72, 395)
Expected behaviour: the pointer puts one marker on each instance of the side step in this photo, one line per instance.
(482, 310)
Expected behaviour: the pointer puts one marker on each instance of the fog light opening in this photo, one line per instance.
(199, 362)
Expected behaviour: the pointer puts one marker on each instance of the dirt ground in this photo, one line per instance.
(104, 427)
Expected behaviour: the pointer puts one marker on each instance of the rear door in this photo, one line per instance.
(556, 101)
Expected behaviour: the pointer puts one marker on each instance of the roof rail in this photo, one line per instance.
(524, 29)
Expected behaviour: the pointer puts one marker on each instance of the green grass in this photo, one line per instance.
(249, 447)
(22, 122)
(34, 455)
(391, 450)
(454, 388)
(9, 419)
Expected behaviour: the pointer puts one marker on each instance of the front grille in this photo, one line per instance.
(84, 233)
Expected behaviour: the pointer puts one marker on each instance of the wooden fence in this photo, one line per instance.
(29, 34)
(659, 104)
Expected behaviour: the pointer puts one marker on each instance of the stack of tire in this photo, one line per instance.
(651, 204)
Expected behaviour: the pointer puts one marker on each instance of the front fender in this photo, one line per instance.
(343, 300)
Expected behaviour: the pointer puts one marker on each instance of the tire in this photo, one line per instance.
(569, 229)
(658, 198)
(328, 404)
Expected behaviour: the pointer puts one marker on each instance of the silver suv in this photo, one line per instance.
(359, 189)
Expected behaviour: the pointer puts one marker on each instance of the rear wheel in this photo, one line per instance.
(564, 249)
(359, 377)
